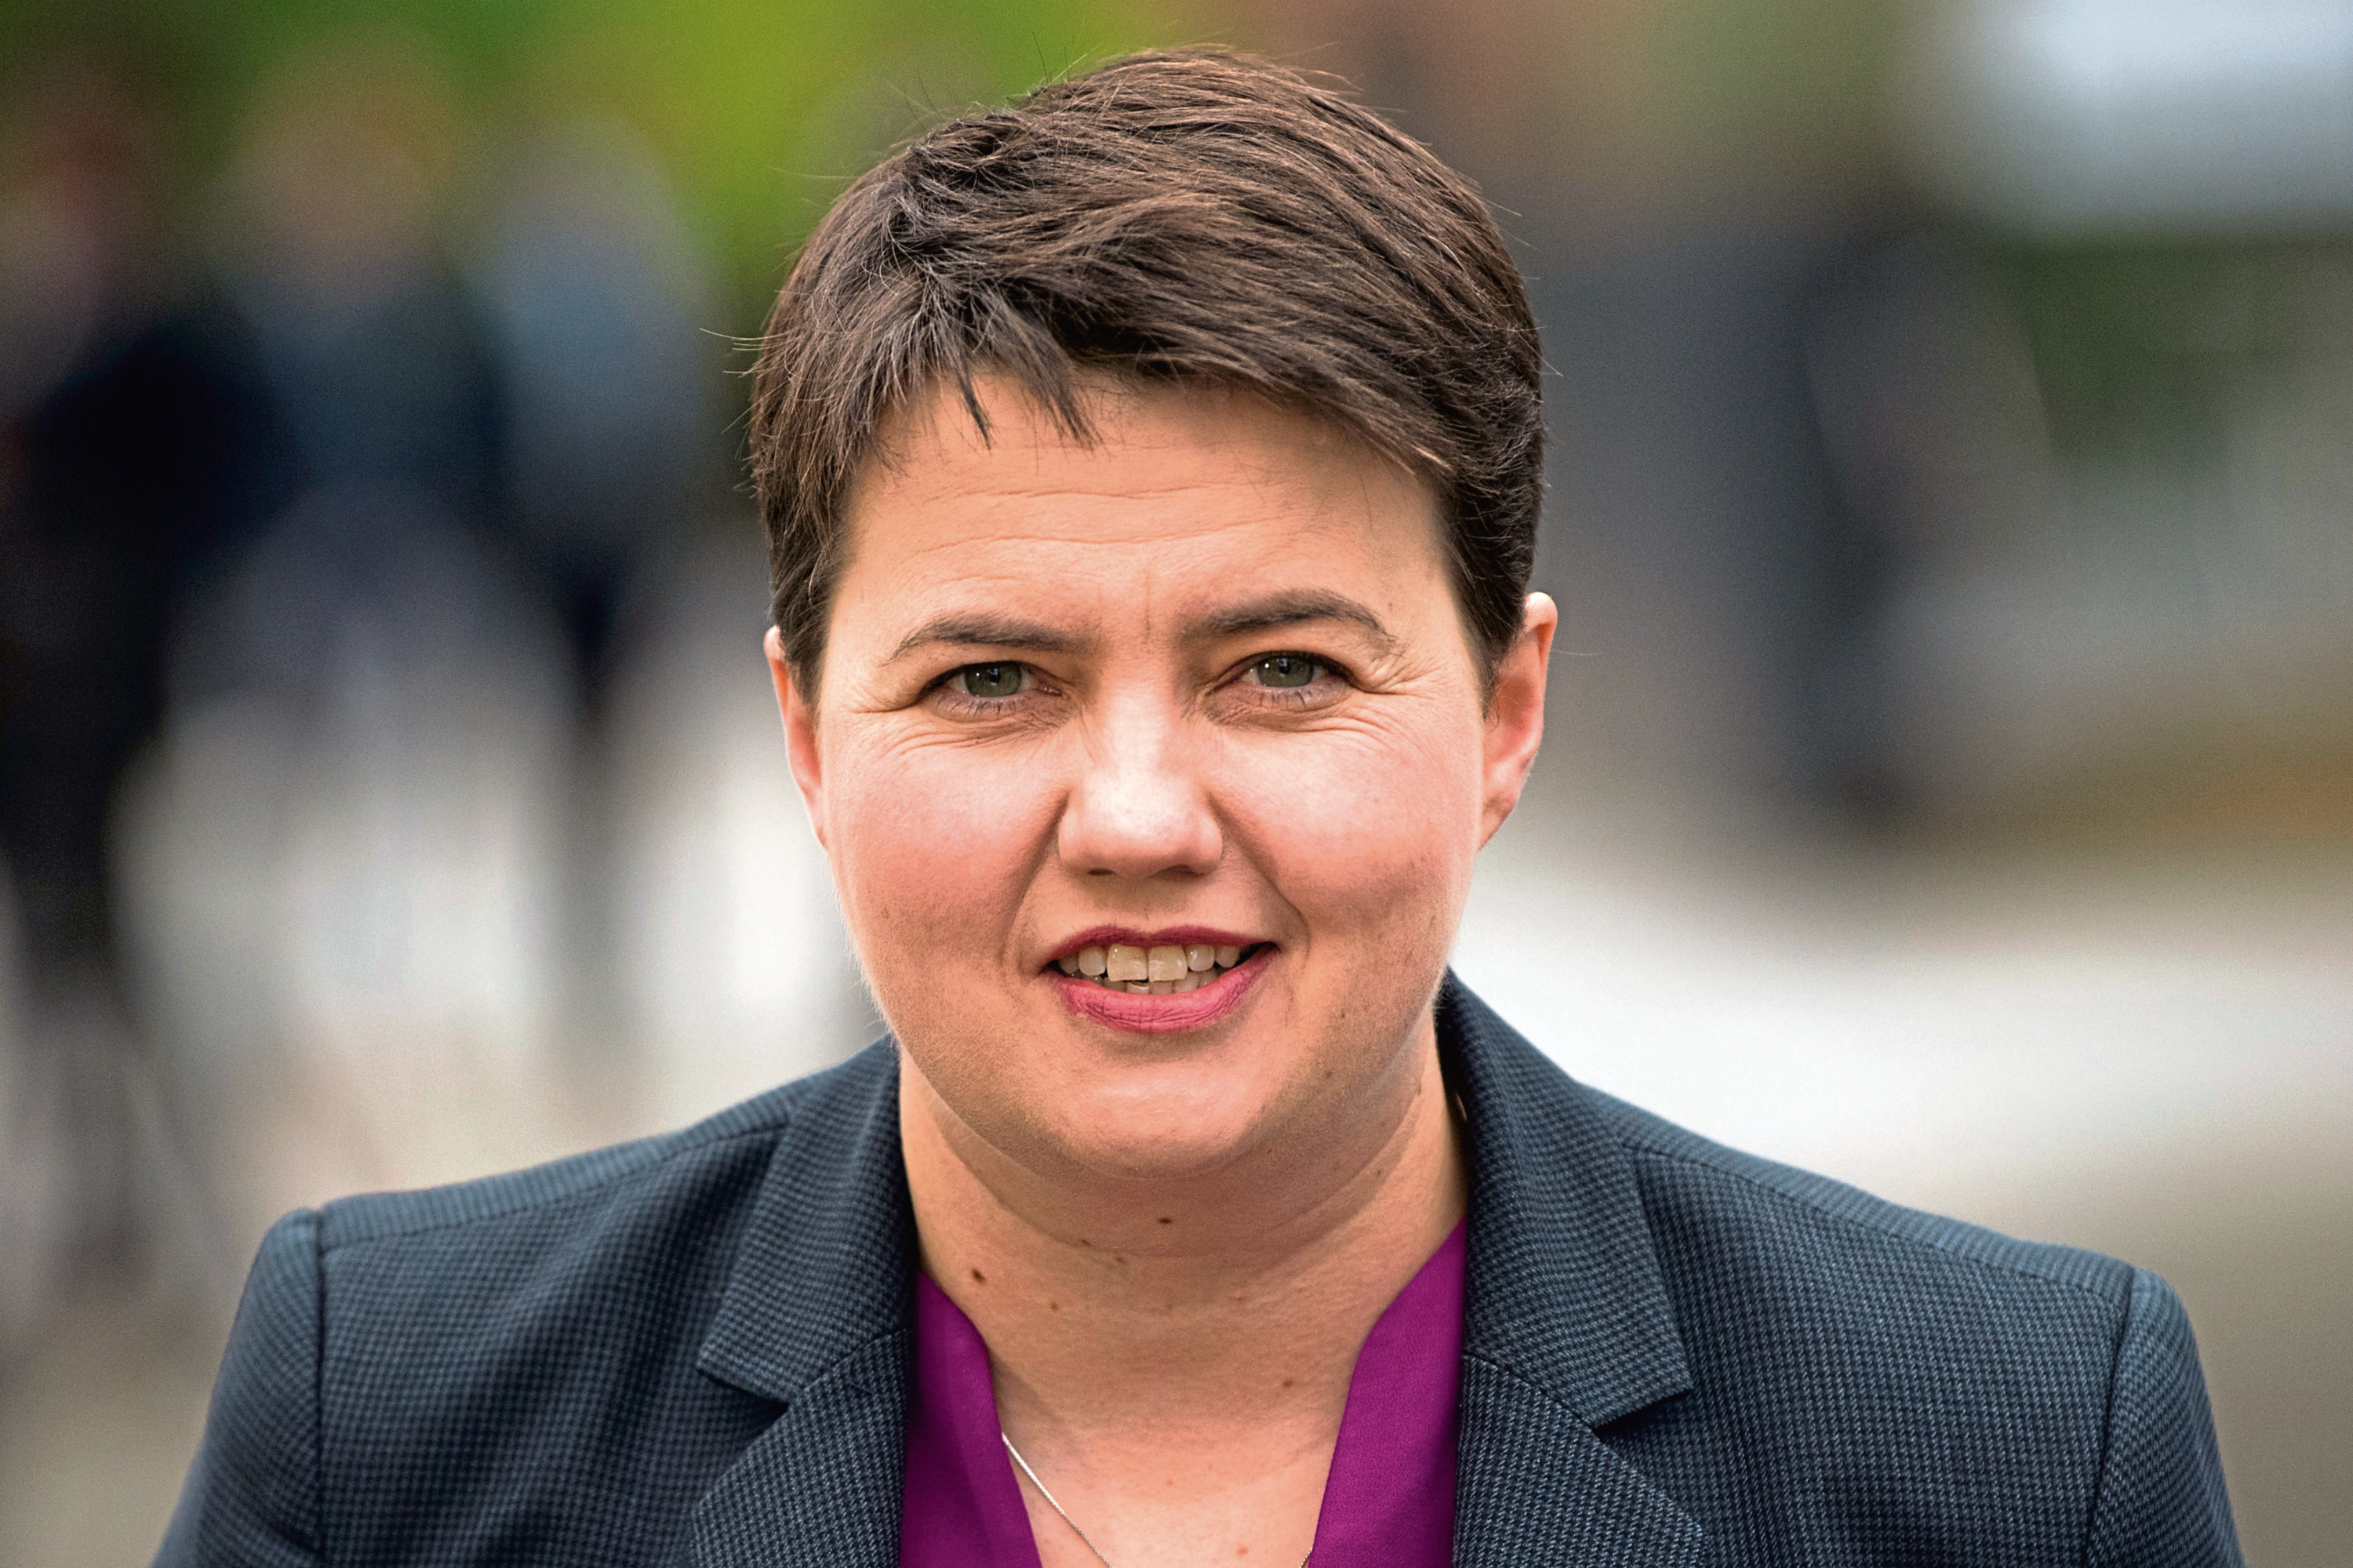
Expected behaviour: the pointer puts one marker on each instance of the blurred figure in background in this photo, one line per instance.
(601, 318)
(326, 233)
(600, 315)
(330, 854)
(138, 447)
(503, 436)
(369, 518)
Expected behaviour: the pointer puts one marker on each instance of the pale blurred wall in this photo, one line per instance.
(1897, 821)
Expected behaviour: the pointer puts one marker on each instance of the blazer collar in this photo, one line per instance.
(1563, 1286)
(815, 1317)
(1567, 1325)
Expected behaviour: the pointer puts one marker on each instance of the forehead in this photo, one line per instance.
(1184, 495)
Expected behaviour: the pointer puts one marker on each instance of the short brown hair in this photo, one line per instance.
(1181, 215)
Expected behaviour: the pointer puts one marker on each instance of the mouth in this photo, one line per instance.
(1166, 969)
(1159, 982)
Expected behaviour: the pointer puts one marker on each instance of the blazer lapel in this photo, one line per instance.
(1566, 1322)
(1535, 1486)
(821, 1486)
(816, 1317)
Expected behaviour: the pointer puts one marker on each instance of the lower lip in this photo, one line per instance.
(1195, 1008)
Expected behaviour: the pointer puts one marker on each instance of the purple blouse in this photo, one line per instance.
(1388, 1501)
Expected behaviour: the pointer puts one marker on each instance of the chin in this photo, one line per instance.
(1160, 1131)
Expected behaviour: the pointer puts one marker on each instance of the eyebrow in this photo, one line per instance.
(1290, 608)
(981, 629)
(984, 630)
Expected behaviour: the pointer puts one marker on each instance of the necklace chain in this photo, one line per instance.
(1051, 1503)
(1064, 1514)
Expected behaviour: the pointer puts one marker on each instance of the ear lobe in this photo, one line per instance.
(1514, 728)
(800, 734)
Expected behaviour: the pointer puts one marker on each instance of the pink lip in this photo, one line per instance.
(1173, 936)
(1195, 1008)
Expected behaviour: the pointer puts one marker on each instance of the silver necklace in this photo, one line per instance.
(1065, 1513)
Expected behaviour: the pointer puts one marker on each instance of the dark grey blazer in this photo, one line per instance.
(694, 1349)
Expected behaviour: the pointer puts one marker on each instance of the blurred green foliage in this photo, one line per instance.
(1801, 80)
(758, 109)
(2142, 347)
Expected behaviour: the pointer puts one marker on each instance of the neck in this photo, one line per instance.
(1144, 1316)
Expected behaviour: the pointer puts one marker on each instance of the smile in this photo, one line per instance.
(1167, 970)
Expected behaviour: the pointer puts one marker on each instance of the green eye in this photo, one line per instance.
(989, 680)
(1286, 670)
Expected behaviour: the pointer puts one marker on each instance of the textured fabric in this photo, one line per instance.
(1388, 1501)
(695, 1350)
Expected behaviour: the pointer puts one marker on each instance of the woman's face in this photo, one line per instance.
(1191, 711)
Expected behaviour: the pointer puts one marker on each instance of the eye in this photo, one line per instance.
(1287, 669)
(986, 681)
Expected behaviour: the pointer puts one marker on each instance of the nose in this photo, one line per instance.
(1140, 808)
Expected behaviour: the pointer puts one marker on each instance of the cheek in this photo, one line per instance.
(1369, 836)
(934, 846)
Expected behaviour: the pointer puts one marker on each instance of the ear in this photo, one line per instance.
(1516, 712)
(800, 734)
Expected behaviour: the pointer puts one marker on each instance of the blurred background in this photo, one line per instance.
(1950, 784)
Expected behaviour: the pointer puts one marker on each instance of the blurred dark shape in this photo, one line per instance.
(426, 592)
(1924, 393)
(2108, 418)
(137, 446)
(2115, 479)
(367, 339)
(499, 440)
(1901, 529)
(1699, 535)
(596, 303)
(395, 594)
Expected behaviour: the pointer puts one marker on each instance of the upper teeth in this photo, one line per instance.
(1159, 972)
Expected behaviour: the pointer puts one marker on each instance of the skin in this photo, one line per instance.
(1174, 1242)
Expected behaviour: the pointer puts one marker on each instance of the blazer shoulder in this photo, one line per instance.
(252, 1494)
(2063, 1384)
(598, 1174)
(1685, 1168)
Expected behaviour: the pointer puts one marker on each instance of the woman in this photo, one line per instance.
(1151, 473)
